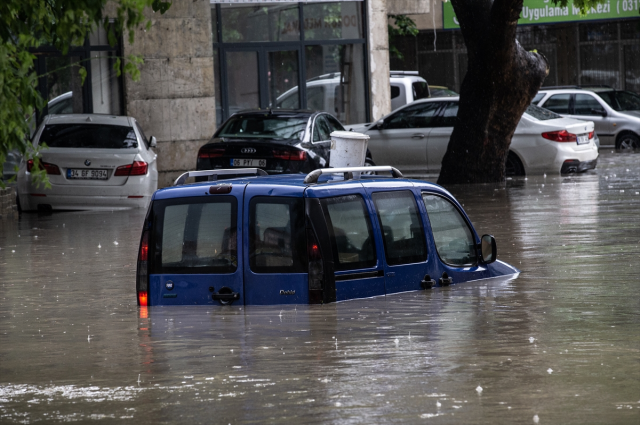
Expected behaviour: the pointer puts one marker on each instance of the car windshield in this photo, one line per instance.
(541, 113)
(265, 126)
(442, 92)
(621, 100)
(93, 136)
(420, 90)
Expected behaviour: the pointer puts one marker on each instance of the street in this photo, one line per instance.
(558, 344)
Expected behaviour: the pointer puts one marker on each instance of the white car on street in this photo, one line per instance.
(414, 139)
(93, 162)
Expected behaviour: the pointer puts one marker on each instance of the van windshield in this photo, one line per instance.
(265, 126)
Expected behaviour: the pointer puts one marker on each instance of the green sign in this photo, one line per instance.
(545, 12)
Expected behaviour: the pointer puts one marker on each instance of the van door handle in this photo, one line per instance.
(417, 136)
(391, 274)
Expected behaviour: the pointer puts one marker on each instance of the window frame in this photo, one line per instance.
(466, 220)
(330, 227)
(158, 213)
(410, 260)
(298, 252)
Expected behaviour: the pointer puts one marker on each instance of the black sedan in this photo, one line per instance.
(277, 141)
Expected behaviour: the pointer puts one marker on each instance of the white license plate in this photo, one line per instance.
(88, 174)
(582, 140)
(248, 162)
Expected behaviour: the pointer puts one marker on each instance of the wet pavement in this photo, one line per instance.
(560, 344)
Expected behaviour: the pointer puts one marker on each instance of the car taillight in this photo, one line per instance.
(316, 269)
(592, 134)
(138, 168)
(206, 153)
(290, 154)
(560, 136)
(49, 168)
(142, 285)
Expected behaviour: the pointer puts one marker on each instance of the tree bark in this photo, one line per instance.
(502, 79)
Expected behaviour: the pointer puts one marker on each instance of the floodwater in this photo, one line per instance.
(559, 344)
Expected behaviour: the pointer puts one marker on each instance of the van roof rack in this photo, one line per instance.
(213, 174)
(313, 176)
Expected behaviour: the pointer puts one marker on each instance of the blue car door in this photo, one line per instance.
(275, 254)
(356, 253)
(194, 248)
(454, 240)
(402, 228)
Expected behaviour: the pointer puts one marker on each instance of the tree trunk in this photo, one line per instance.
(502, 79)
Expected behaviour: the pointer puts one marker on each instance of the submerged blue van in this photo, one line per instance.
(295, 239)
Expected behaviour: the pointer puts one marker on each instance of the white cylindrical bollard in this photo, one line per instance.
(348, 149)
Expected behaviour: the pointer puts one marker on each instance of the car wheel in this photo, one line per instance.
(628, 141)
(513, 165)
(368, 162)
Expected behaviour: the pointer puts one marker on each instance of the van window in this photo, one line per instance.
(420, 90)
(403, 234)
(395, 92)
(351, 234)
(196, 236)
(277, 238)
(454, 241)
(558, 103)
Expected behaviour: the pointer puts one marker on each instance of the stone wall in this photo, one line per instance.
(408, 7)
(8, 207)
(174, 98)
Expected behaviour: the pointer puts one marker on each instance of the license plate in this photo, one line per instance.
(582, 140)
(87, 174)
(248, 162)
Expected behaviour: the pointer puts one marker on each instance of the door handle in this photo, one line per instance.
(391, 274)
(417, 136)
(225, 296)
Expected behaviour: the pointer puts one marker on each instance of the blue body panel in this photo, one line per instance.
(292, 288)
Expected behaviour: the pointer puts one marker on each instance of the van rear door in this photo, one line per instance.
(193, 249)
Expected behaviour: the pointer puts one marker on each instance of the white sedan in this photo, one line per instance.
(93, 162)
(414, 139)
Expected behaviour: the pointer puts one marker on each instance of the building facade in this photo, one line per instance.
(206, 59)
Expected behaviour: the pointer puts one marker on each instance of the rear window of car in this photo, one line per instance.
(277, 237)
(196, 235)
(92, 136)
(541, 114)
(265, 126)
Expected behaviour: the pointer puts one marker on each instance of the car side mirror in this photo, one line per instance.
(380, 124)
(153, 142)
(599, 112)
(488, 249)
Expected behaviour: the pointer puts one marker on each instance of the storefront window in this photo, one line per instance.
(255, 22)
(330, 21)
(334, 81)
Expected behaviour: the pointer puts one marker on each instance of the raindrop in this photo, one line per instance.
(338, 404)
(549, 371)
(438, 404)
(115, 242)
(531, 339)
(99, 246)
(479, 389)
(536, 419)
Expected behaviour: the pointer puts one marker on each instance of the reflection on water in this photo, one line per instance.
(560, 342)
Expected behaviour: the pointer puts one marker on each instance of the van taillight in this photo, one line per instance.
(138, 168)
(316, 269)
(142, 274)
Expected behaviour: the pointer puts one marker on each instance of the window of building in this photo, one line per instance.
(267, 50)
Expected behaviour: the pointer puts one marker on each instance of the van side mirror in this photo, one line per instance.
(153, 142)
(488, 249)
(379, 125)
